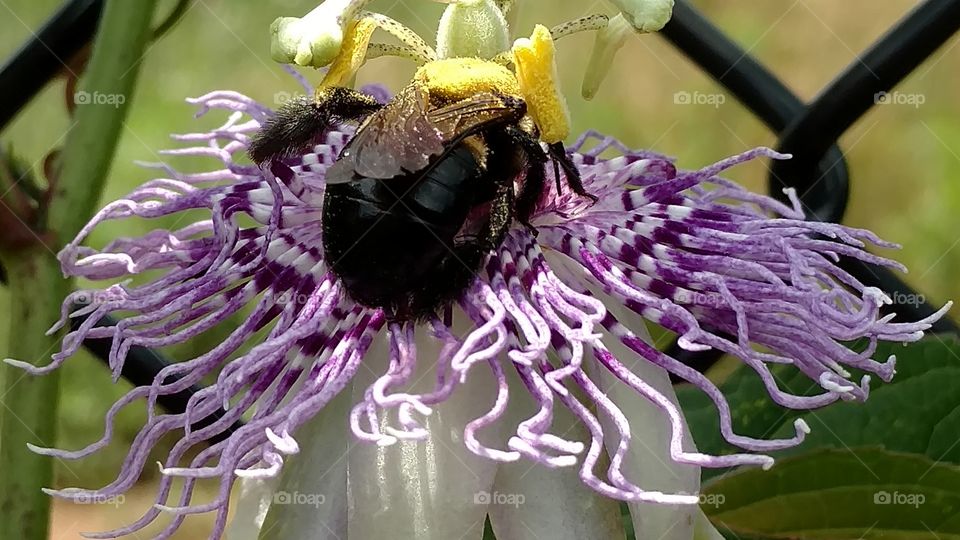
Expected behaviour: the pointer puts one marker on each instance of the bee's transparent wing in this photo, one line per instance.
(405, 135)
(397, 138)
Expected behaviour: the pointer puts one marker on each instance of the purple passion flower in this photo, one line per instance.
(686, 250)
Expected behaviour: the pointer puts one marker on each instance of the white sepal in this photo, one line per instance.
(310, 499)
(251, 508)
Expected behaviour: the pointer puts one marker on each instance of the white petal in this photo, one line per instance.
(311, 498)
(423, 489)
(532, 502)
(251, 508)
(704, 530)
(648, 462)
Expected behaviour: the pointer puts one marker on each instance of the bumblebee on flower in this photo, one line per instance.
(452, 234)
(463, 134)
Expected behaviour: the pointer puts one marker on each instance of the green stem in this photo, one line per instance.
(108, 87)
(28, 405)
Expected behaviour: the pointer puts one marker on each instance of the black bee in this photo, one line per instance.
(424, 191)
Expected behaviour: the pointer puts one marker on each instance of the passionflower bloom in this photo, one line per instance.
(544, 359)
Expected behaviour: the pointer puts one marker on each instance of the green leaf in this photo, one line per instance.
(488, 533)
(839, 494)
(754, 413)
(918, 412)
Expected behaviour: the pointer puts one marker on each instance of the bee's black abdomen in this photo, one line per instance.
(393, 243)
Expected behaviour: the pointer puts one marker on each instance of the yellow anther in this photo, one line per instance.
(536, 67)
(352, 55)
(459, 78)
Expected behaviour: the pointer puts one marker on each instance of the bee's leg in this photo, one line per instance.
(504, 164)
(536, 176)
(556, 176)
(501, 215)
(346, 104)
(446, 283)
(561, 158)
(300, 122)
(454, 274)
(531, 193)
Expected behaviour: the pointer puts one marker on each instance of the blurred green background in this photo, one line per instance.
(904, 160)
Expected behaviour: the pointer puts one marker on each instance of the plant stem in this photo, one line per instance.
(108, 89)
(28, 405)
